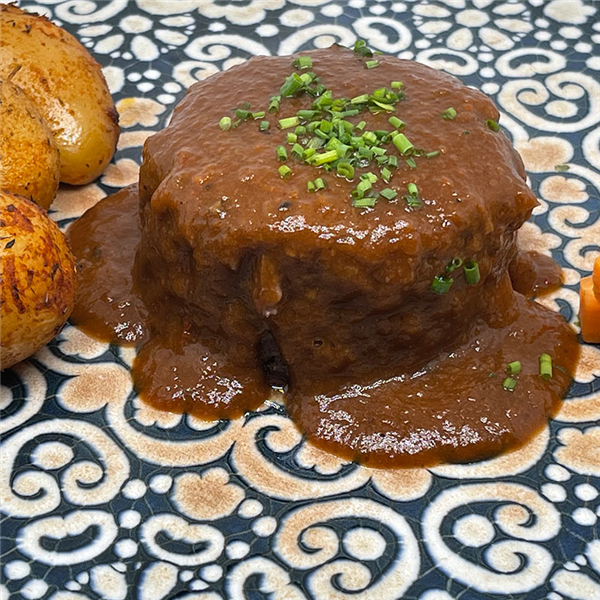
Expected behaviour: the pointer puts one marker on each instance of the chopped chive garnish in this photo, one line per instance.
(258, 115)
(396, 123)
(291, 85)
(325, 126)
(288, 122)
(389, 194)
(291, 138)
(370, 137)
(362, 99)
(308, 153)
(371, 64)
(364, 202)
(472, 274)
(365, 152)
(300, 130)
(361, 125)
(243, 114)
(403, 144)
(308, 114)
(345, 169)
(325, 157)
(411, 163)
(441, 284)
(264, 125)
(321, 134)
(378, 151)
(492, 125)
(397, 85)
(432, 154)
(509, 384)
(449, 114)
(561, 168)
(297, 151)
(545, 366)
(319, 184)
(274, 105)
(360, 47)
(303, 62)
(392, 162)
(454, 264)
(281, 153)
(381, 160)
(412, 189)
(310, 186)
(371, 177)
(363, 186)
(285, 172)
(514, 368)
(386, 174)
(225, 123)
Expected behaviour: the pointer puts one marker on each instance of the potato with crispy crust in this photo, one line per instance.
(29, 159)
(66, 83)
(37, 279)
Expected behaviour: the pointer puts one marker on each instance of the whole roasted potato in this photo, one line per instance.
(66, 83)
(29, 159)
(37, 279)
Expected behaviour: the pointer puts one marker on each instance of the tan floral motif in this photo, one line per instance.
(206, 497)
(123, 172)
(542, 154)
(139, 111)
(580, 450)
(531, 237)
(562, 189)
(238, 13)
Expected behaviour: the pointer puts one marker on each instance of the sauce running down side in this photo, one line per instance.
(232, 279)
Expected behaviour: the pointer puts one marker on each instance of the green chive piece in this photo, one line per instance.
(291, 138)
(243, 114)
(392, 162)
(378, 151)
(432, 154)
(365, 152)
(509, 384)
(303, 62)
(319, 184)
(362, 99)
(321, 134)
(441, 284)
(389, 194)
(258, 115)
(345, 169)
(370, 137)
(371, 64)
(386, 174)
(411, 163)
(288, 122)
(281, 153)
(297, 151)
(308, 114)
(381, 160)
(545, 366)
(361, 48)
(449, 114)
(363, 186)
(397, 85)
(371, 177)
(310, 186)
(403, 144)
(285, 172)
(274, 105)
(454, 264)
(291, 85)
(264, 125)
(396, 123)
(364, 202)
(225, 123)
(492, 125)
(413, 190)
(308, 153)
(323, 158)
(361, 125)
(326, 126)
(300, 130)
(561, 168)
(472, 274)
(514, 368)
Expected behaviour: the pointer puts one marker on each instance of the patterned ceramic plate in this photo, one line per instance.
(104, 498)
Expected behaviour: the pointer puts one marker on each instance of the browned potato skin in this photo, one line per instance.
(29, 159)
(66, 83)
(38, 279)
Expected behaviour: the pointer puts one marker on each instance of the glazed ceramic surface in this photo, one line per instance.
(105, 498)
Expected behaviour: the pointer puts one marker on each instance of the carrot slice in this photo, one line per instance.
(589, 305)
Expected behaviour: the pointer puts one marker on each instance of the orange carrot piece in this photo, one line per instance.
(596, 278)
(589, 306)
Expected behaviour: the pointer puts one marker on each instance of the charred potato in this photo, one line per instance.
(37, 279)
(66, 83)
(29, 159)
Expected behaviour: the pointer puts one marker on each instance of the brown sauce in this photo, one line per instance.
(534, 274)
(234, 279)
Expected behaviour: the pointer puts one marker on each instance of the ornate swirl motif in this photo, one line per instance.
(274, 579)
(85, 483)
(78, 11)
(523, 514)
(320, 35)
(218, 47)
(451, 61)
(23, 400)
(522, 68)
(571, 86)
(191, 71)
(176, 528)
(73, 525)
(306, 540)
(372, 29)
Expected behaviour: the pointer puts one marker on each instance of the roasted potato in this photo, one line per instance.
(29, 159)
(38, 278)
(66, 83)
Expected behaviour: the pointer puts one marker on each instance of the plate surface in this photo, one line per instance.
(103, 497)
